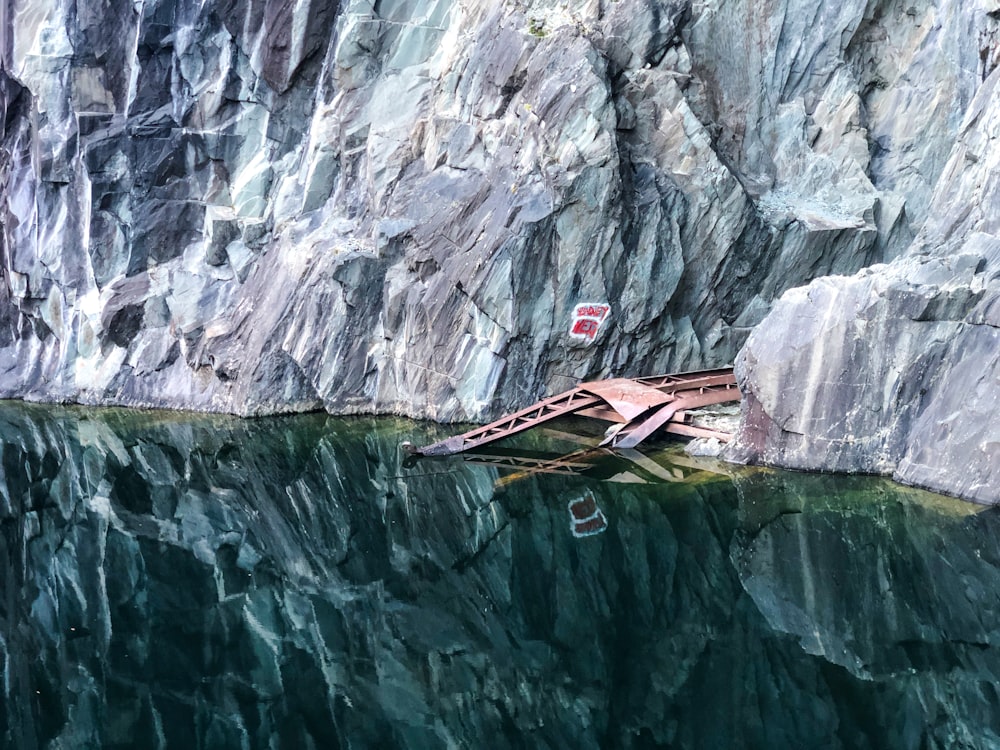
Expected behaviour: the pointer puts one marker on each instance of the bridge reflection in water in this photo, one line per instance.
(627, 466)
(175, 580)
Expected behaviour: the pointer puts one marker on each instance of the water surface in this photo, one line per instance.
(187, 581)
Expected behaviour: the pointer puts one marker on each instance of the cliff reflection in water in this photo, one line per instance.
(185, 581)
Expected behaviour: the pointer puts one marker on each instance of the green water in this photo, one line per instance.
(205, 582)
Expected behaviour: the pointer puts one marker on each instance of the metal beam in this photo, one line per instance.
(641, 405)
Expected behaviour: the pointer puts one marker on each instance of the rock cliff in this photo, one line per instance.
(395, 206)
(258, 206)
(896, 370)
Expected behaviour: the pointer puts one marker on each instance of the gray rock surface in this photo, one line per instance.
(896, 370)
(252, 207)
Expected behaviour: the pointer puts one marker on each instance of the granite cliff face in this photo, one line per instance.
(394, 207)
(259, 206)
(896, 370)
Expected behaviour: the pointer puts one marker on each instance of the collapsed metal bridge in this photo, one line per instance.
(636, 407)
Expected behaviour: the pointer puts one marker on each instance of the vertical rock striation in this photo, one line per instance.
(252, 206)
(261, 206)
(896, 370)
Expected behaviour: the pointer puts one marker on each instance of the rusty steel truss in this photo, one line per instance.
(638, 406)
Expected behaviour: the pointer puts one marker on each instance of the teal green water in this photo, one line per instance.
(205, 582)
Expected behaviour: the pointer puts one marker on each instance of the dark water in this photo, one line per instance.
(192, 582)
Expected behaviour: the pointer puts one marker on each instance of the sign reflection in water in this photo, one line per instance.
(173, 581)
(585, 518)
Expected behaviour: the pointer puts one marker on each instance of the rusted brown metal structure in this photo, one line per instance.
(641, 406)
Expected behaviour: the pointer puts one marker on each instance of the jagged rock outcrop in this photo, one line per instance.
(896, 370)
(262, 206)
(254, 206)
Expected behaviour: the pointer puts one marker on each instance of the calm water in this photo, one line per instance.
(195, 582)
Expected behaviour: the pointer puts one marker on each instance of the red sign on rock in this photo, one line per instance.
(587, 319)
